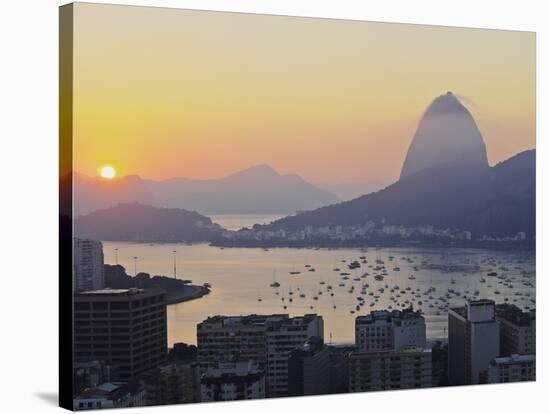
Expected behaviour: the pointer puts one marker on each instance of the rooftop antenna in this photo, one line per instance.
(135, 265)
(175, 272)
(330, 338)
(116, 256)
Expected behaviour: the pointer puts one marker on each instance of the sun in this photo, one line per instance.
(107, 172)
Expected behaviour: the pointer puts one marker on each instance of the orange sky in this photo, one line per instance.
(165, 92)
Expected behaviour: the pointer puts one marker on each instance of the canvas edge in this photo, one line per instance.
(66, 13)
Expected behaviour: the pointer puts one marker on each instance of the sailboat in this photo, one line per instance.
(274, 284)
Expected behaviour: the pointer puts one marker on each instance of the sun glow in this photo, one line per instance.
(107, 172)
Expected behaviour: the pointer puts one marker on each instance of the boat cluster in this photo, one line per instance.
(358, 283)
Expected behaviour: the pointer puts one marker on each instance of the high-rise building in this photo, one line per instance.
(309, 369)
(229, 381)
(226, 339)
(283, 337)
(126, 328)
(264, 339)
(517, 330)
(390, 352)
(175, 383)
(390, 370)
(88, 273)
(339, 367)
(316, 368)
(473, 341)
(514, 368)
(390, 330)
(440, 364)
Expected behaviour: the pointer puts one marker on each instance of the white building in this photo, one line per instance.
(390, 331)
(231, 381)
(264, 339)
(88, 265)
(110, 395)
(474, 341)
(514, 368)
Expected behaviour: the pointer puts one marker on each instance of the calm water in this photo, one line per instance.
(238, 221)
(241, 276)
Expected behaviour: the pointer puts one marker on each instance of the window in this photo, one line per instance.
(81, 306)
(119, 305)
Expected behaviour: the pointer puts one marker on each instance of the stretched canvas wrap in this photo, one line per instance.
(256, 206)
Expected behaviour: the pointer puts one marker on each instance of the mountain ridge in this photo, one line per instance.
(482, 200)
(255, 190)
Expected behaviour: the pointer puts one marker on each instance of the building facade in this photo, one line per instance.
(264, 339)
(517, 330)
(90, 374)
(225, 339)
(229, 381)
(474, 340)
(309, 369)
(282, 337)
(514, 368)
(88, 272)
(339, 367)
(390, 330)
(126, 328)
(390, 370)
(176, 383)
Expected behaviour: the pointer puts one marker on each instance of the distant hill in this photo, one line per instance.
(497, 201)
(95, 193)
(138, 222)
(256, 190)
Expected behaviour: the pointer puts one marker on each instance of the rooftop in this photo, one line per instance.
(461, 310)
(106, 292)
(473, 305)
(257, 320)
(481, 302)
(405, 350)
(513, 359)
(385, 315)
(233, 371)
(109, 291)
(108, 391)
(515, 315)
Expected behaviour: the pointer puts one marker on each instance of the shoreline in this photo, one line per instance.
(184, 295)
(321, 246)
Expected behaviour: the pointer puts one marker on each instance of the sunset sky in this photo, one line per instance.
(164, 92)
